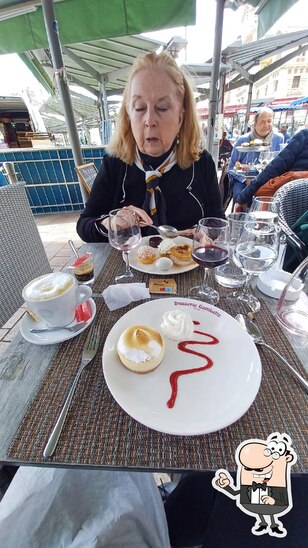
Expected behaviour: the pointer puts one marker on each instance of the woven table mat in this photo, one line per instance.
(98, 432)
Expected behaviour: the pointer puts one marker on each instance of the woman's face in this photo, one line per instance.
(155, 111)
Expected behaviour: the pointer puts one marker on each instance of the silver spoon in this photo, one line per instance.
(166, 231)
(73, 248)
(73, 329)
(253, 330)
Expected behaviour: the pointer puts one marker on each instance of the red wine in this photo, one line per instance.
(210, 256)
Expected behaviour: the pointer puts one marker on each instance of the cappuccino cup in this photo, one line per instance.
(54, 297)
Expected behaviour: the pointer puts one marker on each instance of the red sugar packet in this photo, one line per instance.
(81, 259)
(83, 312)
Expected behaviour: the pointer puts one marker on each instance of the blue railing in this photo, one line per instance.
(50, 176)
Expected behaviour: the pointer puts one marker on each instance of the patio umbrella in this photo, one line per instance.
(85, 20)
(33, 24)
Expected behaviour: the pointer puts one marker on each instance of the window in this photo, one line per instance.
(265, 92)
(275, 85)
(296, 81)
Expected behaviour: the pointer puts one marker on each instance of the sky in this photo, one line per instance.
(15, 76)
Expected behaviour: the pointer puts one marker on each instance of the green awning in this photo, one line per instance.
(269, 11)
(86, 20)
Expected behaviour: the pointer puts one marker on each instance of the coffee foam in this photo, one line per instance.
(48, 286)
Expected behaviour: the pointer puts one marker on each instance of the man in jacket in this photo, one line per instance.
(262, 130)
(293, 158)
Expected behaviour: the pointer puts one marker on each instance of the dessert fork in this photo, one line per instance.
(89, 351)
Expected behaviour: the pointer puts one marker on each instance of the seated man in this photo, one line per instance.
(290, 164)
(263, 130)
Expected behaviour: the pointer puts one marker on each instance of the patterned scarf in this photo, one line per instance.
(254, 135)
(154, 203)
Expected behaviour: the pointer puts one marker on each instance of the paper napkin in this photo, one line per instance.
(119, 295)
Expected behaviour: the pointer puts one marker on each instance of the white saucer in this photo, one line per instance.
(273, 282)
(51, 337)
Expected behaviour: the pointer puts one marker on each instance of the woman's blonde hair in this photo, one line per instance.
(190, 137)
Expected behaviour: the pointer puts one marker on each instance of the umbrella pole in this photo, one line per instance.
(215, 74)
(52, 32)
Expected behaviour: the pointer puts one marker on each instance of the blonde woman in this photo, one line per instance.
(156, 164)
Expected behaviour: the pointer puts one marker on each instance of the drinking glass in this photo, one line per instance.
(229, 274)
(264, 208)
(256, 251)
(124, 234)
(293, 314)
(210, 249)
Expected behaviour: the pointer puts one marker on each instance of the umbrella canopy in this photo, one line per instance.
(83, 21)
(299, 101)
(269, 11)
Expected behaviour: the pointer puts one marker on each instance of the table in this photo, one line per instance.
(98, 434)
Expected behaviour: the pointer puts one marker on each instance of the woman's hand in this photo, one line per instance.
(239, 207)
(143, 217)
(188, 232)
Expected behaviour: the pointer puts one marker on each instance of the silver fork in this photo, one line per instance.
(89, 351)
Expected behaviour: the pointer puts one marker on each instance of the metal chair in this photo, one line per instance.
(22, 254)
(293, 203)
(224, 186)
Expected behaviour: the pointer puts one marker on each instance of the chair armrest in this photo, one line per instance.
(298, 245)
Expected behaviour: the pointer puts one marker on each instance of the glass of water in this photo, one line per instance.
(264, 208)
(255, 251)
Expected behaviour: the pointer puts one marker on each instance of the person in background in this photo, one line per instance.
(225, 146)
(291, 163)
(156, 164)
(284, 131)
(263, 130)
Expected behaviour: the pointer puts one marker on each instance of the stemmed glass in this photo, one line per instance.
(264, 208)
(210, 249)
(255, 251)
(229, 274)
(124, 234)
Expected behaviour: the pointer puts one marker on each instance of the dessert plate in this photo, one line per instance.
(206, 400)
(258, 148)
(151, 268)
(50, 337)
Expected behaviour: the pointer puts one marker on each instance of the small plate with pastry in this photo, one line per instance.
(168, 256)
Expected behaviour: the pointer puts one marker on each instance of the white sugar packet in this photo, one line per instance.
(119, 295)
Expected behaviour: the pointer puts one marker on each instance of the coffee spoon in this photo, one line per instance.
(73, 248)
(73, 329)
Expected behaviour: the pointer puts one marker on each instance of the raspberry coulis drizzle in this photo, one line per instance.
(183, 347)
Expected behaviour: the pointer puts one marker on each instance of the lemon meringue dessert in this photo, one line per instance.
(141, 349)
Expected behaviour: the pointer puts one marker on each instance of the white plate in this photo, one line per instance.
(151, 268)
(259, 148)
(206, 401)
(50, 337)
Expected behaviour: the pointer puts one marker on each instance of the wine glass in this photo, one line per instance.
(124, 234)
(256, 251)
(229, 274)
(210, 249)
(264, 208)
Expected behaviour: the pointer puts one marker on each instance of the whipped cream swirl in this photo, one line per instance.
(177, 325)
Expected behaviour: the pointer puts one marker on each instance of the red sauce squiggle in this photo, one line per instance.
(183, 346)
